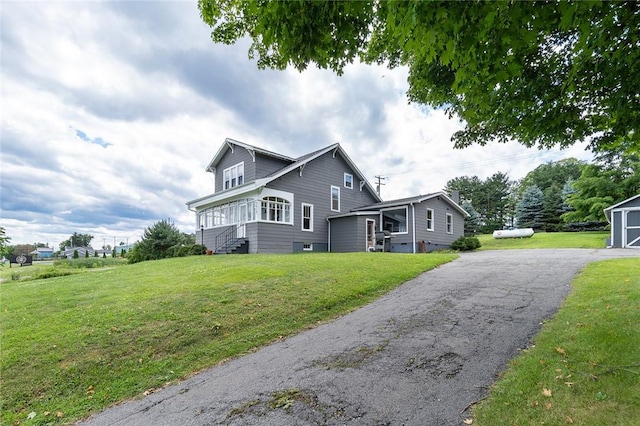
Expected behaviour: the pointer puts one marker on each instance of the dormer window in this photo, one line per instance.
(233, 176)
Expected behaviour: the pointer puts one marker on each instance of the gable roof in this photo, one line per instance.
(607, 211)
(413, 200)
(228, 145)
(296, 163)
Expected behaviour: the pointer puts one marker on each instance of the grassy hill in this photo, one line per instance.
(546, 240)
(73, 345)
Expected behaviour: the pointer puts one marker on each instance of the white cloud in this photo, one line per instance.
(154, 98)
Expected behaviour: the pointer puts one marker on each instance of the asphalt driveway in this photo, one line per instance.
(420, 355)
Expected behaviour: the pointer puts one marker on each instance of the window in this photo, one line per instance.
(429, 219)
(275, 209)
(233, 176)
(449, 223)
(307, 217)
(395, 221)
(335, 199)
(348, 181)
(307, 247)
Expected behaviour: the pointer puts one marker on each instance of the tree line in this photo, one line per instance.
(556, 196)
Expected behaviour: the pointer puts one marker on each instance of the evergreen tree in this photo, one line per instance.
(530, 210)
(552, 210)
(472, 223)
(157, 242)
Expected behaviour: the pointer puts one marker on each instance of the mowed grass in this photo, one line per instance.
(585, 366)
(546, 240)
(74, 345)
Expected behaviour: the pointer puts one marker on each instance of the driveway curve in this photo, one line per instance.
(420, 355)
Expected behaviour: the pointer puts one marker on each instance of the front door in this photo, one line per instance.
(371, 235)
(242, 218)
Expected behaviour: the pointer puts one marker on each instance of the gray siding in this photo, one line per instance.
(267, 165)
(314, 187)
(633, 219)
(229, 159)
(273, 238)
(210, 235)
(438, 238)
(434, 240)
(263, 166)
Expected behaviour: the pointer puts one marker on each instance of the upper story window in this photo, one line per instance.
(348, 181)
(449, 223)
(233, 176)
(429, 219)
(307, 217)
(335, 199)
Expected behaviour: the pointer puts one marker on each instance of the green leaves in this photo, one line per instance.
(544, 74)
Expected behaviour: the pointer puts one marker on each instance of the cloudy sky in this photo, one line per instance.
(112, 110)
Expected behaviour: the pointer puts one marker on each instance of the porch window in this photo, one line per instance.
(449, 223)
(348, 180)
(335, 199)
(307, 217)
(429, 219)
(233, 176)
(275, 209)
(395, 221)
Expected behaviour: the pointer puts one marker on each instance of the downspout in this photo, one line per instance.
(329, 235)
(413, 220)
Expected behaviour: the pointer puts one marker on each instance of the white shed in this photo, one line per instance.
(624, 218)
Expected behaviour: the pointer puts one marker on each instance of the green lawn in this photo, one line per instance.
(76, 344)
(546, 240)
(585, 366)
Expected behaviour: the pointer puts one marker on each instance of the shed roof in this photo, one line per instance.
(607, 211)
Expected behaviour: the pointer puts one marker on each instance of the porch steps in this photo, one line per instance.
(237, 246)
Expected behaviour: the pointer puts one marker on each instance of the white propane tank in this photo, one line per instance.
(513, 233)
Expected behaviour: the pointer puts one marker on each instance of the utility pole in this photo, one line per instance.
(379, 183)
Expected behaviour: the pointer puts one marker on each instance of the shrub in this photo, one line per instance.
(466, 244)
(51, 272)
(87, 263)
(75, 254)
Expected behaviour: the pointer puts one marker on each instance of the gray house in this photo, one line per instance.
(624, 218)
(266, 202)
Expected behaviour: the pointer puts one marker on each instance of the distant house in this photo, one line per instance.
(265, 202)
(42, 253)
(624, 218)
(68, 252)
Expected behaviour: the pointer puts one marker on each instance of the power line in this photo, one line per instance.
(379, 183)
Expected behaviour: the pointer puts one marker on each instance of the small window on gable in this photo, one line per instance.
(429, 219)
(348, 181)
(335, 199)
(449, 223)
(233, 176)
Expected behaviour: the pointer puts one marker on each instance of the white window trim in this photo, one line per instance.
(337, 188)
(237, 167)
(303, 205)
(310, 248)
(406, 215)
(433, 216)
(345, 180)
(448, 222)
